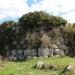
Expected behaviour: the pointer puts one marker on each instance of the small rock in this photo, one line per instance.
(39, 64)
(69, 67)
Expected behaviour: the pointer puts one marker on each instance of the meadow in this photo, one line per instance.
(25, 67)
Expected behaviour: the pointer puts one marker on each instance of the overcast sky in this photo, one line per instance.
(13, 9)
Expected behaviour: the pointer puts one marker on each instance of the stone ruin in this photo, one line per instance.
(19, 46)
(46, 49)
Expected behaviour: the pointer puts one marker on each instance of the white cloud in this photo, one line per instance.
(13, 8)
(64, 8)
(47, 5)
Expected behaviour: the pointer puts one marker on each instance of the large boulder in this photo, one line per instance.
(59, 52)
(27, 52)
(43, 52)
(33, 52)
(41, 65)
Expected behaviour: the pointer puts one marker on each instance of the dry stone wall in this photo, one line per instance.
(24, 45)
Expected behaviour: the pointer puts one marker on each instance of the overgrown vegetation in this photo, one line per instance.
(40, 20)
(69, 36)
(31, 27)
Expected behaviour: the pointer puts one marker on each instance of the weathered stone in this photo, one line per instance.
(58, 52)
(52, 67)
(43, 52)
(45, 66)
(39, 64)
(45, 39)
(51, 52)
(19, 58)
(12, 58)
(30, 52)
(20, 52)
(68, 68)
(13, 52)
(53, 46)
(28, 57)
(33, 52)
(20, 55)
(62, 53)
(27, 52)
(40, 52)
(61, 45)
(46, 52)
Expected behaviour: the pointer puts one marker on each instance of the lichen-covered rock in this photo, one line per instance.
(43, 52)
(53, 67)
(68, 68)
(59, 52)
(39, 64)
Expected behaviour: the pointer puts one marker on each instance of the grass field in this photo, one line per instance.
(23, 68)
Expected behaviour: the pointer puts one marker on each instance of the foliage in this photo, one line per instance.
(6, 25)
(40, 19)
(68, 33)
(69, 28)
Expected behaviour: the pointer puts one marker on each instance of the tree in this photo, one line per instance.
(40, 20)
(6, 25)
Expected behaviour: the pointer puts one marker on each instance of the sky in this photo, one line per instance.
(14, 9)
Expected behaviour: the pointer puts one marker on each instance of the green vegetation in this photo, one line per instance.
(34, 20)
(23, 68)
(6, 25)
(68, 32)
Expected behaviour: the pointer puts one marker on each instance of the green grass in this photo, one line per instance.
(22, 68)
